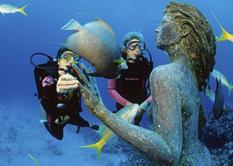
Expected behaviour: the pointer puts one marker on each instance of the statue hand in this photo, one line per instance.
(88, 88)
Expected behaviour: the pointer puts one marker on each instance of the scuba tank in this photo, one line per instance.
(41, 71)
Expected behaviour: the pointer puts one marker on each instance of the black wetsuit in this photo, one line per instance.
(132, 84)
(50, 99)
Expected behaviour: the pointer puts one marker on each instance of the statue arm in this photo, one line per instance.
(147, 141)
(167, 111)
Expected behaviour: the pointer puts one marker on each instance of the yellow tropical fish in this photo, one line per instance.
(224, 34)
(36, 163)
(9, 9)
(127, 113)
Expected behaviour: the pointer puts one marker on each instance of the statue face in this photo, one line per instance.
(167, 33)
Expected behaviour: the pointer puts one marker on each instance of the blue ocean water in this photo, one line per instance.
(21, 36)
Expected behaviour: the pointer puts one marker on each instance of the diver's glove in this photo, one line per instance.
(144, 105)
(142, 108)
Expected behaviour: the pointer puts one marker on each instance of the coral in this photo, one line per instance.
(218, 136)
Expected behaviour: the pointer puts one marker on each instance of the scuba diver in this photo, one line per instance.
(58, 93)
(133, 84)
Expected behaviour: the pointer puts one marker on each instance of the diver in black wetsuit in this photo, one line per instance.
(132, 86)
(59, 94)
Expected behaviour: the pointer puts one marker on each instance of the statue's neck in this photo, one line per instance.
(178, 55)
(175, 52)
(181, 59)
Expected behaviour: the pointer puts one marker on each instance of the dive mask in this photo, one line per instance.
(136, 44)
(69, 57)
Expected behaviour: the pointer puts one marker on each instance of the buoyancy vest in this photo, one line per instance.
(133, 82)
(48, 96)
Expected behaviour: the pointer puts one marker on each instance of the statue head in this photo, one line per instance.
(185, 28)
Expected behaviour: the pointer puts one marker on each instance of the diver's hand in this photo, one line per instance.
(144, 105)
(142, 108)
(66, 83)
(128, 103)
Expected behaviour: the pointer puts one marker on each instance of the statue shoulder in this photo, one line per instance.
(163, 72)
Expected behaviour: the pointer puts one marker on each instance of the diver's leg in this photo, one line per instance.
(56, 130)
(81, 122)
